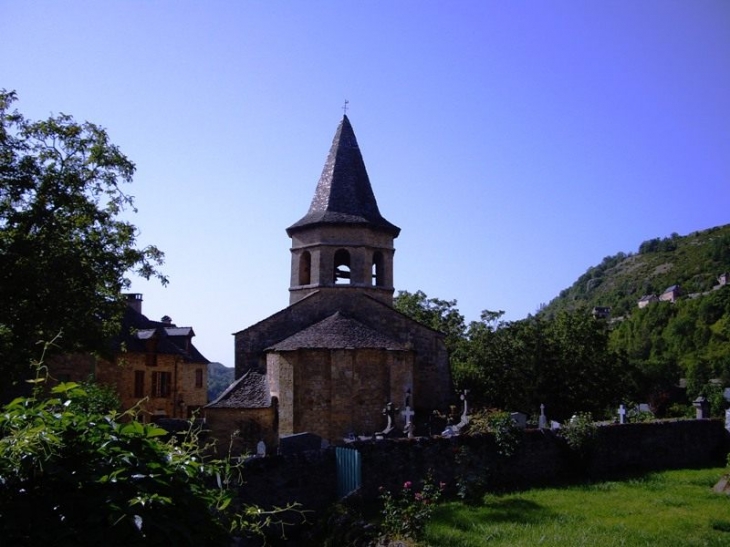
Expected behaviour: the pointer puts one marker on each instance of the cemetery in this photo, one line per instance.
(542, 457)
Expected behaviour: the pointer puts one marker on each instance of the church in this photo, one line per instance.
(330, 362)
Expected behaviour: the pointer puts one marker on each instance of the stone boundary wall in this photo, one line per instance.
(541, 458)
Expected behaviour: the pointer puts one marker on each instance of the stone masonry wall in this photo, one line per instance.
(237, 431)
(542, 458)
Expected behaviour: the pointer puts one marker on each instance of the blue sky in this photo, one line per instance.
(515, 143)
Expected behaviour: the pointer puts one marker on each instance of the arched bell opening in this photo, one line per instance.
(378, 272)
(305, 268)
(342, 274)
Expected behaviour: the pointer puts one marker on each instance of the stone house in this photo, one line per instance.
(154, 364)
(330, 362)
(671, 294)
(647, 299)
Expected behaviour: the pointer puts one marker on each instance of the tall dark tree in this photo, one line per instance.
(65, 251)
(440, 315)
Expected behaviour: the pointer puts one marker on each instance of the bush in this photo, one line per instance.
(580, 432)
(507, 434)
(405, 514)
(93, 476)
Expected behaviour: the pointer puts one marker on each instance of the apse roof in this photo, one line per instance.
(338, 332)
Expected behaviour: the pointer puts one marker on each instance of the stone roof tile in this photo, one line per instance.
(338, 332)
(344, 194)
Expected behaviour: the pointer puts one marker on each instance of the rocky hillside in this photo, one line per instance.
(694, 262)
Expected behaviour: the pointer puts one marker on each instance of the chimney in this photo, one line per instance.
(134, 301)
(166, 319)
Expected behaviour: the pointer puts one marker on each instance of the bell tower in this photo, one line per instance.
(343, 243)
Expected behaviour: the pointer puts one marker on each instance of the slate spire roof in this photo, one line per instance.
(344, 194)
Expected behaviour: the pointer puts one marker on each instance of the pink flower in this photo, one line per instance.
(407, 485)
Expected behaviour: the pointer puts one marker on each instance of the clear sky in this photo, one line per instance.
(515, 143)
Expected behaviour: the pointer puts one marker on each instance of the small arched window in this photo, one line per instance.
(305, 268)
(377, 270)
(342, 267)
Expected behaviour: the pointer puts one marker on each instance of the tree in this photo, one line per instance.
(65, 253)
(440, 315)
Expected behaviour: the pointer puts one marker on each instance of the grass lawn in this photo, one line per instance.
(671, 508)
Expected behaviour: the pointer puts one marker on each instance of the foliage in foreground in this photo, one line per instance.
(406, 513)
(671, 508)
(72, 473)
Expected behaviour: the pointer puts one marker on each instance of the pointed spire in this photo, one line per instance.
(344, 194)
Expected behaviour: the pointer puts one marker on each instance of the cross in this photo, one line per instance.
(408, 414)
(622, 414)
(345, 107)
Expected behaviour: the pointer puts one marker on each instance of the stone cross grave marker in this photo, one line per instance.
(389, 412)
(542, 421)
(622, 414)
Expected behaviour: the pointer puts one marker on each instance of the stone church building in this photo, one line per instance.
(330, 362)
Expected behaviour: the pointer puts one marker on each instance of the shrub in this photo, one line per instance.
(580, 432)
(93, 476)
(405, 514)
(507, 434)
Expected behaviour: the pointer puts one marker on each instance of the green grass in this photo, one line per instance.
(671, 508)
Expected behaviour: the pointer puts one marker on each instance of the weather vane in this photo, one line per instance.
(344, 108)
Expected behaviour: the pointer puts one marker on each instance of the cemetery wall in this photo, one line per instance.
(542, 457)
(474, 461)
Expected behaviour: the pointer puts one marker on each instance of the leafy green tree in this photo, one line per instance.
(440, 315)
(65, 251)
(490, 363)
(579, 372)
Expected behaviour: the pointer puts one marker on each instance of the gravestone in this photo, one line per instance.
(622, 414)
(727, 419)
(519, 419)
(408, 416)
(389, 412)
(554, 425)
(261, 449)
(542, 421)
(702, 408)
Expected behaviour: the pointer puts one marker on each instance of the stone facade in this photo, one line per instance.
(237, 431)
(339, 352)
(154, 365)
(171, 388)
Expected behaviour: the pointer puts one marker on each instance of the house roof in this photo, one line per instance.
(337, 332)
(344, 194)
(137, 330)
(249, 391)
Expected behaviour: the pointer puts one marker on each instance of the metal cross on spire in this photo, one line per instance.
(344, 108)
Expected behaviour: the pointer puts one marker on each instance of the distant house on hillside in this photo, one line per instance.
(645, 300)
(601, 312)
(154, 362)
(671, 294)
